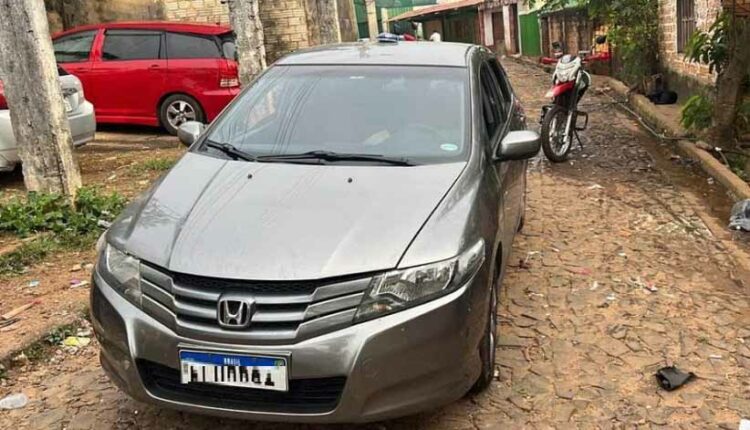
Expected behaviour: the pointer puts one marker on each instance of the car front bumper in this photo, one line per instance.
(396, 365)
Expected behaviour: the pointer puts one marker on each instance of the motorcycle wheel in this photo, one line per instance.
(555, 147)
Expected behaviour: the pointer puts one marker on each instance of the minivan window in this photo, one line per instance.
(131, 45)
(419, 113)
(191, 46)
(229, 46)
(74, 48)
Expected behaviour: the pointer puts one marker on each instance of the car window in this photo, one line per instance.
(74, 48)
(131, 45)
(229, 46)
(419, 113)
(491, 105)
(502, 79)
(191, 46)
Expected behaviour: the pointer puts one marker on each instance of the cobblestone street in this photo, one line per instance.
(624, 266)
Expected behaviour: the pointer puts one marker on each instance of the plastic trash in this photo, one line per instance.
(14, 401)
(740, 216)
(744, 424)
(671, 378)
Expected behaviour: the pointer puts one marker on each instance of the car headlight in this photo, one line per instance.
(400, 289)
(122, 272)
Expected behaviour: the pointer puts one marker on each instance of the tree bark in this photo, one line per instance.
(328, 13)
(372, 19)
(729, 87)
(347, 21)
(244, 17)
(323, 26)
(32, 88)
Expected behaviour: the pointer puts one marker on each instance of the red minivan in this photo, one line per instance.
(152, 73)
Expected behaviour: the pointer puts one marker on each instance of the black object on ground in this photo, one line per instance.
(740, 217)
(671, 378)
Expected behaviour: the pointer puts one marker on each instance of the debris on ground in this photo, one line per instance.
(77, 283)
(76, 267)
(739, 219)
(33, 284)
(19, 310)
(5, 325)
(14, 401)
(744, 424)
(77, 341)
(596, 187)
(671, 378)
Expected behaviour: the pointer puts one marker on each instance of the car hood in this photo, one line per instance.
(273, 221)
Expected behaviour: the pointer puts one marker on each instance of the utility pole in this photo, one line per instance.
(32, 88)
(244, 17)
(372, 18)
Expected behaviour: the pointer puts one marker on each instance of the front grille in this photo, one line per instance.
(285, 311)
(304, 396)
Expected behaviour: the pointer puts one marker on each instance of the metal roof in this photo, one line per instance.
(371, 53)
(438, 8)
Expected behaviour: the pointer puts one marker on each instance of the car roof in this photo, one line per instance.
(444, 54)
(183, 27)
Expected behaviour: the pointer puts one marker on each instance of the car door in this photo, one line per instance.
(516, 174)
(495, 123)
(193, 63)
(129, 78)
(74, 53)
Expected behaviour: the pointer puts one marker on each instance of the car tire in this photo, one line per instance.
(488, 346)
(178, 109)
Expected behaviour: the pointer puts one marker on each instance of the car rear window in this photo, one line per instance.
(180, 45)
(131, 45)
(74, 48)
(420, 113)
(229, 46)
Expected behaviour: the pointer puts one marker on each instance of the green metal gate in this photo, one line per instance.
(530, 35)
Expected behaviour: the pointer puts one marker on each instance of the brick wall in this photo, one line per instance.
(691, 75)
(65, 14)
(284, 21)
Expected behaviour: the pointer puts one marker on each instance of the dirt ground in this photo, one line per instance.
(117, 160)
(624, 266)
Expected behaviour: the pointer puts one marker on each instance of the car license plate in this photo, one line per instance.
(68, 106)
(264, 373)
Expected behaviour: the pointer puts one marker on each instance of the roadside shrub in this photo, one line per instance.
(40, 212)
(696, 113)
(156, 165)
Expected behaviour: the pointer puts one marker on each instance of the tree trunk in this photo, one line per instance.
(347, 21)
(372, 19)
(328, 13)
(323, 25)
(244, 16)
(32, 88)
(729, 87)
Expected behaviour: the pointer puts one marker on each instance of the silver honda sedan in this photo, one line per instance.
(330, 249)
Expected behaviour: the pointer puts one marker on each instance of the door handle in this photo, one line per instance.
(153, 66)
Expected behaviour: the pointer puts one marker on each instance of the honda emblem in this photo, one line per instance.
(235, 311)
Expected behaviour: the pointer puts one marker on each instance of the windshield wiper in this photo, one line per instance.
(338, 156)
(231, 151)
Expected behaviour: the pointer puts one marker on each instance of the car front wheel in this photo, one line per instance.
(178, 109)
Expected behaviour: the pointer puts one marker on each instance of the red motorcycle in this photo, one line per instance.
(560, 124)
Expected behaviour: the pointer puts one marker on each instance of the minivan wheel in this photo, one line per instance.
(487, 347)
(178, 109)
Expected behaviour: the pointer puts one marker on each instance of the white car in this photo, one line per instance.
(80, 116)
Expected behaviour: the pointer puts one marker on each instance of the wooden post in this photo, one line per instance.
(372, 19)
(244, 17)
(32, 88)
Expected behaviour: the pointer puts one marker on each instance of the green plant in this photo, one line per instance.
(696, 113)
(40, 212)
(156, 165)
(29, 253)
(710, 47)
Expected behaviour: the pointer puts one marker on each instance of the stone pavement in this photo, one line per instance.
(614, 276)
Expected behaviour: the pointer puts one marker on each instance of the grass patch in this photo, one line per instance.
(155, 165)
(63, 225)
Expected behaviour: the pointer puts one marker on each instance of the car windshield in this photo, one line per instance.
(414, 113)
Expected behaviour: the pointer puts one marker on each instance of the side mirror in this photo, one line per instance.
(189, 132)
(518, 145)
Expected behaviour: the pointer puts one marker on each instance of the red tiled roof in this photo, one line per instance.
(443, 7)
